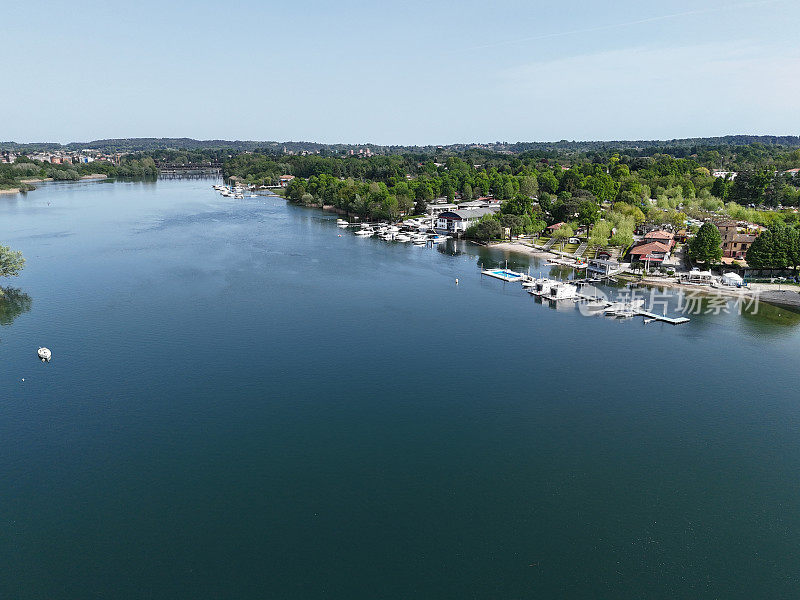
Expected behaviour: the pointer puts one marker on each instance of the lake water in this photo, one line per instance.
(242, 404)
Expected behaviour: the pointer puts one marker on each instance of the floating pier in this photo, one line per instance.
(662, 318)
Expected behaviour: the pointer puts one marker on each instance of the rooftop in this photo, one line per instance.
(649, 248)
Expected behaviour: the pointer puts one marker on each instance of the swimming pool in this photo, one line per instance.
(504, 274)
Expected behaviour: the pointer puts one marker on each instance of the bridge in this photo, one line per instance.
(196, 170)
(165, 166)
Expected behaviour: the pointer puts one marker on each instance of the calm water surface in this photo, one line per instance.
(242, 404)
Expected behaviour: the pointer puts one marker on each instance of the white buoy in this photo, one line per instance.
(44, 354)
(456, 281)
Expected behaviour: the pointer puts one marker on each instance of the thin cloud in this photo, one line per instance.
(687, 13)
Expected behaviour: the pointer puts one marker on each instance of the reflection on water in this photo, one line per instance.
(13, 302)
(768, 318)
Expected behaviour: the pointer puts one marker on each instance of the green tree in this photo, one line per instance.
(295, 190)
(548, 182)
(600, 234)
(706, 245)
(518, 205)
(488, 228)
(563, 233)
(588, 213)
(602, 186)
(528, 185)
(776, 248)
(11, 262)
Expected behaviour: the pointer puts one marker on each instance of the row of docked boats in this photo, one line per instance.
(236, 192)
(552, 289)
(414, 233)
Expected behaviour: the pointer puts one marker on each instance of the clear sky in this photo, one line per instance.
(408, 72)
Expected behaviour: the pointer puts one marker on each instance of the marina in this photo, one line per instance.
(551, 290)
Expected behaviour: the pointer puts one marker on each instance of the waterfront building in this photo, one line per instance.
(602, 267)
(455, 222)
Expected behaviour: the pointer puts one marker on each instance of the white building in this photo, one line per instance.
(457, 221)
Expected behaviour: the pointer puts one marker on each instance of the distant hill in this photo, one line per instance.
(686, 145)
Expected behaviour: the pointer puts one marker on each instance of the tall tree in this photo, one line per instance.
(706, 245)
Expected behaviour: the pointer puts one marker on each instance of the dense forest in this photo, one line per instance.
(609, 192)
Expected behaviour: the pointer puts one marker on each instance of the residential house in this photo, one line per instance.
(738, 246)
(285, 179)
(661, 236)
(727, 229)
(650, 253)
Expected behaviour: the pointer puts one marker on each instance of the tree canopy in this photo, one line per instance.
(11, 262)
(706, 245)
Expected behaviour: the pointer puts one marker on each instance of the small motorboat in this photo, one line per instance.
(44, 354)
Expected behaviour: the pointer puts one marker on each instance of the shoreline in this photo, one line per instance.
(767, 292)
(33, 180)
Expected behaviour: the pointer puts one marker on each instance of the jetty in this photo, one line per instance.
(630, 309)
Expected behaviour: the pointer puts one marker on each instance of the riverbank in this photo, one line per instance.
(767, 292)
(9, 191)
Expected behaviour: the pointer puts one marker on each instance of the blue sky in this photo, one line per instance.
(398, 72)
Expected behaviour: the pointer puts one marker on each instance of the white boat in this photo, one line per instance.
(342, 222)
(562, 291)
(365, 232)
(541, 286)
(436, 238)
(44, 354)
(402, 237)
(624, 309)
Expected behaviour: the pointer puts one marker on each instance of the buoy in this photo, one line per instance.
(44, 354)
(456, 280)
